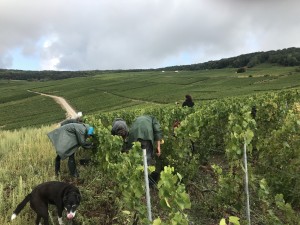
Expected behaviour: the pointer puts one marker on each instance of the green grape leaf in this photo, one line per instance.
(223, 222)
(234, 220)
(167, 202)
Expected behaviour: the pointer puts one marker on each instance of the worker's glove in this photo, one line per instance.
(88, 145)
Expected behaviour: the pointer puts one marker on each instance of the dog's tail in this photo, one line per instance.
(20, 206)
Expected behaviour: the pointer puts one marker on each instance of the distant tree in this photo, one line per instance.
(241, 70)
(253, 61)
(291, 61)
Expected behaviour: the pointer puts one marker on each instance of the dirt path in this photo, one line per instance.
(70, 112)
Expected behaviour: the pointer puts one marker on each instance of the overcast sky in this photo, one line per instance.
(140, 34)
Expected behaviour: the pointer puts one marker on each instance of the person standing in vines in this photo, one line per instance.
(188, 101)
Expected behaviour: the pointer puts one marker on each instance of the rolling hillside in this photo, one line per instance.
(104, 91)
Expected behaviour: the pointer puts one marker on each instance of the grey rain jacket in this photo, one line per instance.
(68, 138)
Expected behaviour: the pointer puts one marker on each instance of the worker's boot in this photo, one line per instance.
(72, 167)
(57, 165)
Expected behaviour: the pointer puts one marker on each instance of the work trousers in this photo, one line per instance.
(145, 144)
(71, 165)
(154, 176)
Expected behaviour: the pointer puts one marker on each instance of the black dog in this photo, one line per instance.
(60, 194)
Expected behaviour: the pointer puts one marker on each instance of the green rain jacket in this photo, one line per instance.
(68, 138)
(146, 128)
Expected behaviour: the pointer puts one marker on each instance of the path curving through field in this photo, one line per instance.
(70, 112)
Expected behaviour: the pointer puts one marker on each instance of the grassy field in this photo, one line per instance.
(113, 91)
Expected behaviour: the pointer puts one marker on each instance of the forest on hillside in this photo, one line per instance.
(284, 57)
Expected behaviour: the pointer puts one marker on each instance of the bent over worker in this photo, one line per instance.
(146, 129)
(77, 119)
(120, 128)
(66, 140)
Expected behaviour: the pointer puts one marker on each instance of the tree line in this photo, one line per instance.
(283, 57)
(44, 75)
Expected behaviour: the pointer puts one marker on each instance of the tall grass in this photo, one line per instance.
(26, 158)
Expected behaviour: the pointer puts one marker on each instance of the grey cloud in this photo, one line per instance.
(116, 34)
(5, 61)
